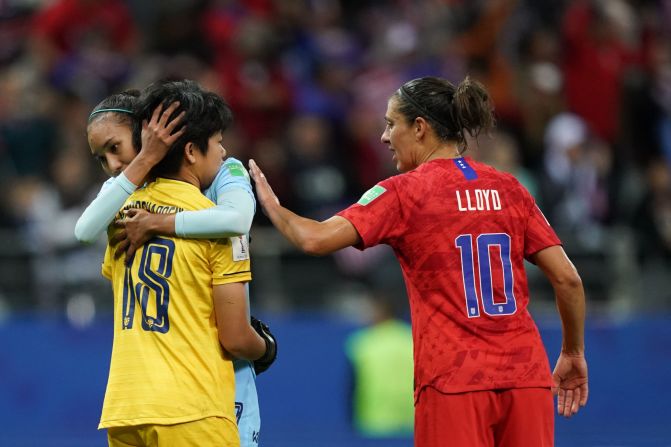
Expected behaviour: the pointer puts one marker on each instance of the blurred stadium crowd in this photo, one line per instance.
(582, 91)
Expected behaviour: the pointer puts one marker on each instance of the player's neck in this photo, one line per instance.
(186, 176)
(444, 151)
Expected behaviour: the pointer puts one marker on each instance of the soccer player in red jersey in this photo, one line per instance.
(461, 231)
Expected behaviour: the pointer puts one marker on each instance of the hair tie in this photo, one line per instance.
(425, 112)
(95, 112)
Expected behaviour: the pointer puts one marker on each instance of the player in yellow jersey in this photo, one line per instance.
(178, 301)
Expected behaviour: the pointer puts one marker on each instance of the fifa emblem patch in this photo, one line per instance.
(372, 194)
(240, 248)
(236, 170)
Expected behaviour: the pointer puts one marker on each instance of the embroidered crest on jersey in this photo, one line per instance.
(372, 194)
(236, 169)
(240, 247)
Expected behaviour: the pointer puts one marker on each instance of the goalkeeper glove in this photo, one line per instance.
(263, 363)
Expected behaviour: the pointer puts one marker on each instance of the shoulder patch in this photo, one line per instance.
(236, 169)
(240, 247)
(372, 194)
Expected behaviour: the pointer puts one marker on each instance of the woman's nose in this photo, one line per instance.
(113, 164)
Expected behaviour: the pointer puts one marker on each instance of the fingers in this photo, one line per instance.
(118, 236)
(172, 124)
(570, 401)
(132, 212)
(163, 121)
(163, 128)
(573, 409)
(252, 168)
(121, 248)
(561, 396)
(255, 171)
(130, 252)
(583, 395)
(157, 113)
(173, 137)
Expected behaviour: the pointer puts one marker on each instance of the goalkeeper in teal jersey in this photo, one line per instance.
(115, 132)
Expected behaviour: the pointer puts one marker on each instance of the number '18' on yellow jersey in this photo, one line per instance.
(167, 365)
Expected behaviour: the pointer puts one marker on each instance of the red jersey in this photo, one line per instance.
(461, 231)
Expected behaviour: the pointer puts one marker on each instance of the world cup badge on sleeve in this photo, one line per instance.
(240, 248)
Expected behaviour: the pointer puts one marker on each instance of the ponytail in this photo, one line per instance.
(449, 110)
(473, 107)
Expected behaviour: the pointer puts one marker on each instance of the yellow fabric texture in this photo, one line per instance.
(213, 431)
(167, 364)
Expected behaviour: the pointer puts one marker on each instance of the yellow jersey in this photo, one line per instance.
(167, 364)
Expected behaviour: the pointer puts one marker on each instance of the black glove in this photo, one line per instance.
(267, 359)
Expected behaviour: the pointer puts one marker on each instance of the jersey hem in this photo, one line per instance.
(471, 389)
(160, 421)
(231, 278)
(536, 250)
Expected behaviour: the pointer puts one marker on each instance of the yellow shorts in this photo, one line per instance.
(213, 431)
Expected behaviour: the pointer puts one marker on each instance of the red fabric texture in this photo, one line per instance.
(506, 418)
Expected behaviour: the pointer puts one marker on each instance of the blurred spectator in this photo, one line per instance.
(660, 91)
(177, 30)
(540, 90)
(253, 82)
(319, 184)
(501, 151)
(382, 403)
(27, 132)
(600, 43)
(271, 152)
(84, 45)
(652, 219)
(370, 159)
(482, 47)
(15, 20)
(577, 167)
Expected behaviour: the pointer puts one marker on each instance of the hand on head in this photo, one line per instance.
(158, 134)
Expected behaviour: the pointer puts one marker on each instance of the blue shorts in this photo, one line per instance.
(247, 411)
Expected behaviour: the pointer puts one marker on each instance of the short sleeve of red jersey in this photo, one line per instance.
(377, 216)
(539, 234)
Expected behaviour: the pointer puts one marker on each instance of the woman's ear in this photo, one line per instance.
(189, 149)
(419, 126)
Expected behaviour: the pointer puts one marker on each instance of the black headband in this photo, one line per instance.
(421, 109)
(117, 110)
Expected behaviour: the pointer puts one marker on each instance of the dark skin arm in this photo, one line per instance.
(137, 227)
(570, 373)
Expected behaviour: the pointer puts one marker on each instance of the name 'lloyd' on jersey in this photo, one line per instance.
(478, 200)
